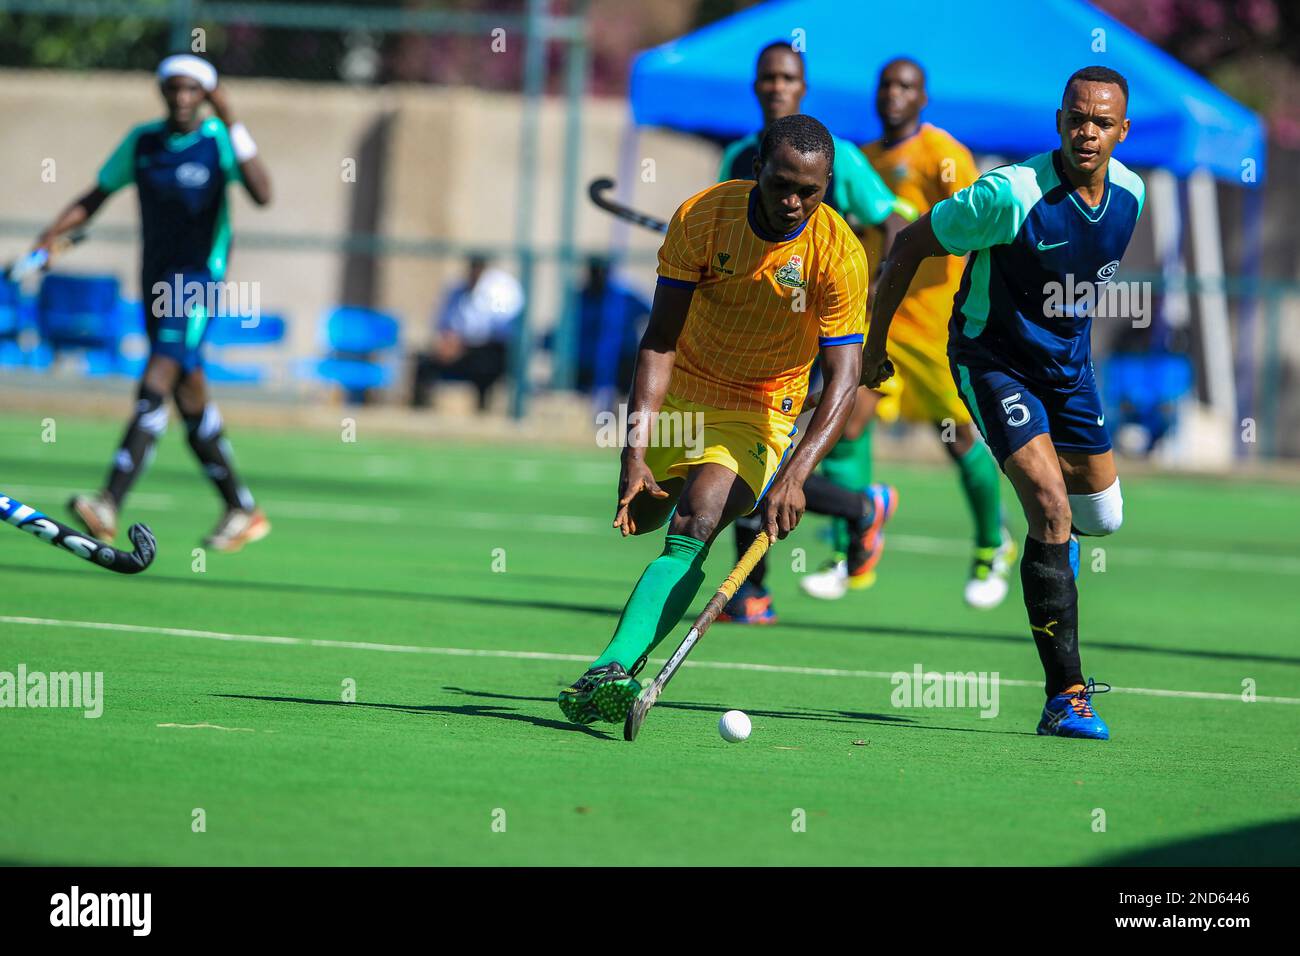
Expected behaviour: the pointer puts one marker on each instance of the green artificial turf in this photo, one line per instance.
(482, 579)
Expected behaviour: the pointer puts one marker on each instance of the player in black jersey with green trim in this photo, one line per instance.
(180, 166)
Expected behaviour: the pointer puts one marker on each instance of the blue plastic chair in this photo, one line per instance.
(19, 344)
(1143, 388)
(357, 339)
(79, 311)
(230, 331)
(11, 301)
(110, 359)
(100, 363)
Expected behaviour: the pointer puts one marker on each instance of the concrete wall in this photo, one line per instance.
(431, 163)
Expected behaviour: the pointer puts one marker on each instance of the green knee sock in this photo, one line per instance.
(981, 483)
(848, 464)
(661, 597)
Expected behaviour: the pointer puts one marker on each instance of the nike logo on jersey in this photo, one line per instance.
(1101, 419)
(1043, 247)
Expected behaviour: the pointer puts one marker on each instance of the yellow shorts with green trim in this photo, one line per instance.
(751, 444)
(922, 389)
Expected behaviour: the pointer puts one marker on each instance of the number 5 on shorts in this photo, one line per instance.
(1017, 414)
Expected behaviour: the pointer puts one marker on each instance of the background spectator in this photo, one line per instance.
(611, 318)
(472, 334)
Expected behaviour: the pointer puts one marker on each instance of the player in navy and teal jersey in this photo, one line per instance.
(180, 166)
(1038, 233)
(861, 197)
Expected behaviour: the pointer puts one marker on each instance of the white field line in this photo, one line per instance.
(583, 525)
(207, 727)
(576, 658)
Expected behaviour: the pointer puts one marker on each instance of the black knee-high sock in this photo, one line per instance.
(213, 452)
(748, 529)
(825, 497)
(1052, 600)
(136, 450)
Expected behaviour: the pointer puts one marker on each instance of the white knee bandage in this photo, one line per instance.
(151, 420)
(1098, 514)
(210, 424)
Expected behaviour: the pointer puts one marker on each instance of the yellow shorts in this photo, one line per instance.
(922, 389)
(751, 444)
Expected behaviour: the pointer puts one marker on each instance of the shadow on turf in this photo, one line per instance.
(385, 489)
(290, 587)
(825, 715)
(487, 710)
(1268, 844)
(830, 716)
(606, 610)
(465, 710)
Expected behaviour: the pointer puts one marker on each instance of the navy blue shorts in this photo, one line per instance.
(1009, 413)
(176, 317)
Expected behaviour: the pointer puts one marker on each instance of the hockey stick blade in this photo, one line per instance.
(597, 191)
(28, 519)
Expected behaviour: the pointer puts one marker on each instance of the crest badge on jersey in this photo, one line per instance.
(791, 274)
(192, 174)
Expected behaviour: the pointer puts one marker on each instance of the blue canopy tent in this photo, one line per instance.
(994, 80)
(994, 77)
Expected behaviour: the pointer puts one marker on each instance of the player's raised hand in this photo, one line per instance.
(782, 508)
(220, 104)
(876, 369)
(634, 477)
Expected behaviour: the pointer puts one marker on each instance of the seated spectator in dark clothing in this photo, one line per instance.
(473, 332)
(611, 318)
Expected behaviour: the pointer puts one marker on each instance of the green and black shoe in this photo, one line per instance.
(603, 693)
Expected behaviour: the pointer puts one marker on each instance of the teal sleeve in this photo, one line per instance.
(729, 157)
(1122, 176)
(229, 165)
(858, 188)
(986, 213)
(119, 169)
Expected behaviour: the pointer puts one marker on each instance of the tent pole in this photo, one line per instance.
(575, 81)
(620, 231)
(1216, 337)
(1248, 308)
(1166, 230)
(534, 78)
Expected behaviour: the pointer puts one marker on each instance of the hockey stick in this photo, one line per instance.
(641, 706)
(597, 190)
(38, 259)
(82, 545)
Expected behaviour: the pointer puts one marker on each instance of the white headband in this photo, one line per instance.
(183, 64)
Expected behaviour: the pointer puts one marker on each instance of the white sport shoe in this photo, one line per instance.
(987, 587)
(237, 528)
(830, 583)
(98, 512)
